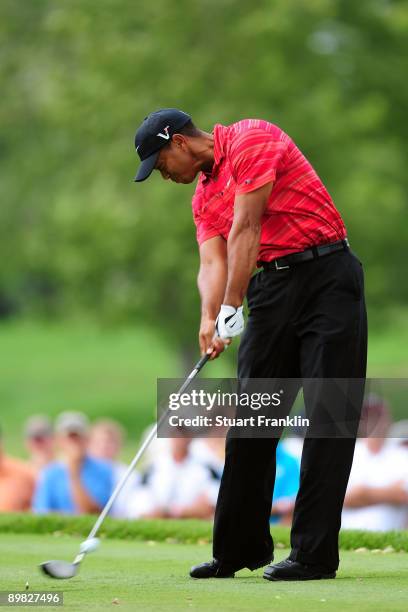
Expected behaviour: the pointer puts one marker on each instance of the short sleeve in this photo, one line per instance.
(97, 479)
(204, 229)
(255, 156)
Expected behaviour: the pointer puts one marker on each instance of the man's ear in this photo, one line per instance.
(180, 141)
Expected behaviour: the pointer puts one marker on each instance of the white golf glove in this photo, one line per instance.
(230, 321)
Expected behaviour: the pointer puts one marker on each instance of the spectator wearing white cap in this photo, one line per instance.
(78, 483)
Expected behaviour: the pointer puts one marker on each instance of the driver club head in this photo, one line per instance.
(61, 570)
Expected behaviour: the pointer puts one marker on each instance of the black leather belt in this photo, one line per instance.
(281, 263)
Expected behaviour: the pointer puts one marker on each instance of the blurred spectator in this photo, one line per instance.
(158, 446)
(78, 483)
(286, 485)
(294, 437)
(39, 441)
(17, 482)
(293, 444)
(377, 494)
(210, 453)
(175, 486)
(105, 442)
(105, 439)
(398, 433)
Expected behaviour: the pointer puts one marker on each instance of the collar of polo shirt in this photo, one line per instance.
(217, 132)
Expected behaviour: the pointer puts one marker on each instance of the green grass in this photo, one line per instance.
(113, 372)
(184, 531)
(154, 577)
(101, 371)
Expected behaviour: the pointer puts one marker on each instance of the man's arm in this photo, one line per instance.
(200, 508)
(360, 496)
(83, 501)
(243, 242)
(211, 281)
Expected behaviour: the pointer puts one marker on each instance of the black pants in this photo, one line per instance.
(307, 321)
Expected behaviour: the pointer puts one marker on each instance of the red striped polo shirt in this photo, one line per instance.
(248, 154)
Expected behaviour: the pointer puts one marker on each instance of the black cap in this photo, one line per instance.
(155, 132)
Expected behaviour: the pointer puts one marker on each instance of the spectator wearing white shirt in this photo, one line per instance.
(175, 486)
(398, 434)
(377, 493)
(210, 453)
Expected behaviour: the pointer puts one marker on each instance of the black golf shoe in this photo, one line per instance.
(293, 570)
(214, 569)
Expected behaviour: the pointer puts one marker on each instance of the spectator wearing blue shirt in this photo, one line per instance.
(79, 483)
(286, 486)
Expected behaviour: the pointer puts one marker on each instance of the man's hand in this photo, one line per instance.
(230, 321)
(74, 456)
(209, 342)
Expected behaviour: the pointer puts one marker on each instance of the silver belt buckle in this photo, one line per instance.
(280, 267)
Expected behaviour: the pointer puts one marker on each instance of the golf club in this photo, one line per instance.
(63, 569)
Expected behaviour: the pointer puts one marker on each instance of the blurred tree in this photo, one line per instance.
(78, 77)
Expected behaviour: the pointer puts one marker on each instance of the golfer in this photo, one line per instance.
(259, 203)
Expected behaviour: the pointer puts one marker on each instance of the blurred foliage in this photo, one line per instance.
(78, 76)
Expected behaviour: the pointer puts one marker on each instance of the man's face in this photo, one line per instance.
(72, 443)
(177, 162)
(39, 444)
(104, 444)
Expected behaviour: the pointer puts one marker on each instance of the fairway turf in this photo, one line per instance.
(151, 576)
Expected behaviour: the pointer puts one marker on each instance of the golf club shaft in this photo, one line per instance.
(137, 457)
